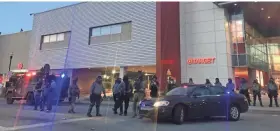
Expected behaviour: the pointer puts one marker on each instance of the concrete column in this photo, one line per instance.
(122, 71)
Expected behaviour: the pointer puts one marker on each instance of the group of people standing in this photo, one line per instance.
(123, 91)
(44, 92)
(272, 89)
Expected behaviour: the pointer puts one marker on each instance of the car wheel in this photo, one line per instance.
(9, 98)
(234, 113)
(179, 115)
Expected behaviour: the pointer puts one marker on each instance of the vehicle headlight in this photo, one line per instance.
(161, 103)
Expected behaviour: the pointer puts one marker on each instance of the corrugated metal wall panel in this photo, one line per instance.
(141, 50)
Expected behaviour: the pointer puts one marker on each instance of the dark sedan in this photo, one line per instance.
(195, 101)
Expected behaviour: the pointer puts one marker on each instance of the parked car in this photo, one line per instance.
(195, 101)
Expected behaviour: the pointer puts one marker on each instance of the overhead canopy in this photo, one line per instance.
(264, 16)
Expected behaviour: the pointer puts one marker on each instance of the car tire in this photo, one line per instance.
(179, 115)
(9, 98)
(233, 113)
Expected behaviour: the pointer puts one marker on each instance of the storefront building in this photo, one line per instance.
(198, 40)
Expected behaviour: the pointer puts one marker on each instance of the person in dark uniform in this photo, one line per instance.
(38, 93)
(208, 83)
(256, 92)
(244, 89)
(116, 95)
(217, 82)
(191, 81)
(272, 92)
(95, 96)
(74, 92)
(154, 87)
(126, 91)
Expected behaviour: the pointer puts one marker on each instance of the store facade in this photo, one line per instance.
(198, 40)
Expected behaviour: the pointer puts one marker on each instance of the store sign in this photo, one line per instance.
(192, 61)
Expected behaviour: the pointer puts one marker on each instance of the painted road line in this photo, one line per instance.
(58, 122)
(47, 124)
(2, 128)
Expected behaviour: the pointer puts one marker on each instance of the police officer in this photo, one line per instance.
(38, 93)
(245, 90)
(154, 85)
(217, 82)
(191, 81)
(74, 92)
(126, 91)
(95, 96)
(256, 92)
(116, 95)
(48, 91)
(139, 93)
(272, 92)
(208, 83)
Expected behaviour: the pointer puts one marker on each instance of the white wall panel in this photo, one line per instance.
(220, 25)
(220, 36)
(199, 16)
(205, 36)
(201, 27)
(198, 6)
(201, 38)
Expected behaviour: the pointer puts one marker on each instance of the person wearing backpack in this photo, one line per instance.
(74, 92)
(139, 87)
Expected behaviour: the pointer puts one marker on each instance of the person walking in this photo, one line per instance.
(95, 96)
(74, 92)
(208, 83)
(139, 93)
(256, 92)
(126, 91)
(217, 82)
(116, 95)
(244, 89)
(154, 87)
(272, 92)
(230, 85)
(191, 81)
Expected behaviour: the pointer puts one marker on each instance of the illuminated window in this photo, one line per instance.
(115, 29)
(60, 37)
(53, 38)
(105, 30)
(96, 32)
(46, 39)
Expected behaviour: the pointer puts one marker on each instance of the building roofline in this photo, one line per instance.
(15, 33)
(57, 8)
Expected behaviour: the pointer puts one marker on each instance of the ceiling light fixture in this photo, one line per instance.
(235, 4)
(268, 17)
(262, 9)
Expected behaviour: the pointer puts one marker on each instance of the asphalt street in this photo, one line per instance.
(18, 117)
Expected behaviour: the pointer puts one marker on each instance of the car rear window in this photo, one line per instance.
(180, 91)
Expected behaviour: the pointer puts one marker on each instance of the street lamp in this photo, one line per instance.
(11, 57)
